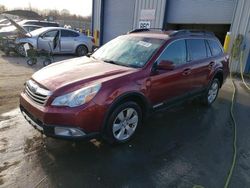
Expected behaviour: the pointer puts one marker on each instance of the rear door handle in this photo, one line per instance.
(186, 72)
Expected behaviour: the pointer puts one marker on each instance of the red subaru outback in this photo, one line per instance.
(111, 91)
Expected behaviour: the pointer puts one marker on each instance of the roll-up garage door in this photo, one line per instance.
(200, 11)
(118, 18)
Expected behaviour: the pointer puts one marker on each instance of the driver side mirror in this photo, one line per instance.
(166, 65)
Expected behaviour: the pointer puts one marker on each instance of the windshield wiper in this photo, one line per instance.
(92, 57)
(118, 63)
(110, 61)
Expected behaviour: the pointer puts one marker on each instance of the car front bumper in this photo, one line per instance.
(66, 123)
(57, 131)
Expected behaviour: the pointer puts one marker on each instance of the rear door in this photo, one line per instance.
(68, 41)
(168, 85)
(200, 62)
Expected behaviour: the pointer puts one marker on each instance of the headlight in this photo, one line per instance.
(78, 97)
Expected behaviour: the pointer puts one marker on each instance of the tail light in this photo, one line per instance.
(93, 40)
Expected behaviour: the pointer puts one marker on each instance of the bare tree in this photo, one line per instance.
(2, 8)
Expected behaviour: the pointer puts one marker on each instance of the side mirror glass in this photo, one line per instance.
(166, 65)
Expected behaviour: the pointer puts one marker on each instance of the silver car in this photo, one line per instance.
(69, 41)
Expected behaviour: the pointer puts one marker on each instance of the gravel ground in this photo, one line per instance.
(182, 147)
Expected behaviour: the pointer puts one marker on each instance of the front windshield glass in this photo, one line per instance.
(38, 31)
(128, 51)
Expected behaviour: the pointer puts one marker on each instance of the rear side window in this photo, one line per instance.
(67, 33)
(196, 49)
(215, 47)
(175, 52)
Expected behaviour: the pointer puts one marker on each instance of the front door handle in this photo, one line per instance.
(210, 66)
(186, 72)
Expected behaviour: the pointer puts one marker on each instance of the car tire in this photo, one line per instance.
(81, 50)
(20, 49)
(123, 122)
(47, 62)
(31, 61)
(211, 93)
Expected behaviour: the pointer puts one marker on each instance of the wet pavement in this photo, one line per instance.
(182, 147)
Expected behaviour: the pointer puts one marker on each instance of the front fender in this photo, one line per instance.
(26, 40)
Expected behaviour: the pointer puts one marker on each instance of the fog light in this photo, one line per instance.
(65, 131)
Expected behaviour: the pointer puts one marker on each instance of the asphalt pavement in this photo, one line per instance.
(182, 147)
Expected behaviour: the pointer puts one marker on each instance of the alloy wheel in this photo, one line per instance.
(212, 92)
(125, 124)
(20, 50)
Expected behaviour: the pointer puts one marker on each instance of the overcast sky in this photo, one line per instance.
(79, 7)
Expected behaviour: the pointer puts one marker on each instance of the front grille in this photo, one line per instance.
(36, 93)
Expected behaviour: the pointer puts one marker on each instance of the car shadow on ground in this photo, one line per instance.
(175, 148)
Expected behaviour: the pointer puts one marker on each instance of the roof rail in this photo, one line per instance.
(145, 30)
(138, 30)
(192, 32)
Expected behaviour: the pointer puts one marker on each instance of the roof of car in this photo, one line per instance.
(156, 35)
(30, 25)
(43, 29)
(41, 21)
(166, 34)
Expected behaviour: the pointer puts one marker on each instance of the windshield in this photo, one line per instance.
(39, 31)
(128, 51)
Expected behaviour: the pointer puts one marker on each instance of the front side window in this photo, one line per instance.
(215, 47)
(128, 51)
(175, 52)
(197, 49)
(50, 34)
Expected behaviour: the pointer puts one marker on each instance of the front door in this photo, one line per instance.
(49, 41)
(167, 85)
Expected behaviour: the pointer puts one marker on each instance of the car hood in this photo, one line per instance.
(78, 71)
(19, 27)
